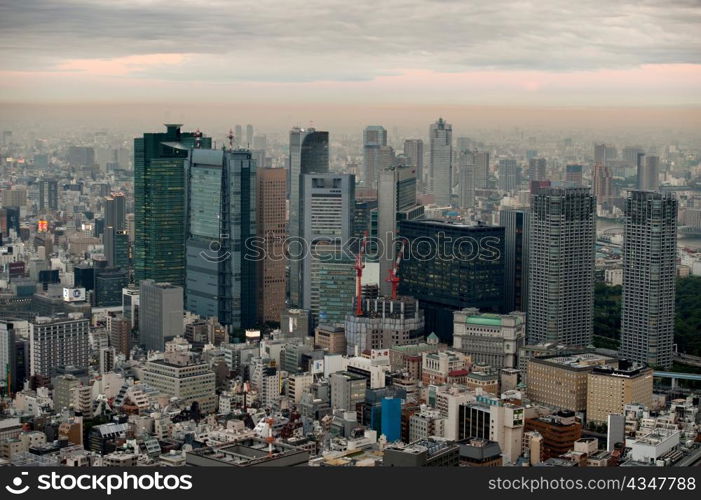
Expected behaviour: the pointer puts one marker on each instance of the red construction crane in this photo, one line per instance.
(359, 266)
(393, 276)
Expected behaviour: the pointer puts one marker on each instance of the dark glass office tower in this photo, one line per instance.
(451, 266)
(159, 203)
(309, 154)
(221, 258)
(516, 228)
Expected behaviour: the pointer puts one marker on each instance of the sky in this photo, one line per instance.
(422, 52)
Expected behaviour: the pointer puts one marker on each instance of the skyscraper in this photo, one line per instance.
(375, 153)
(160, 313)
(8, 363)
(649, 268)
(561, 272)
(48, 195)
(159, 203)
(509, 174)
(450, 266)
(573, 175)
(221, 261)
(603, 153)
(536, 169)
(309, 154)
(441, 155)
(115, 211)
(414, 150)
(396, 201)
(481, 161)
(116, 247)
(271, 228)
(326, 216)
(516, 245)
(249, 136)
(648, 173)
(466, 186)
(602, 183)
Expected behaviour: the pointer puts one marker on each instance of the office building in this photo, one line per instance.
(119, 330)
(221, 261)
(516, 247)
(648, 173)
(326, 223)
(8, 360)
(559, 432)
(189, 382)
(375, 154)
(115, 212)
(109, 284)
(48, 195)
(159, 203)
(481, 162)
(333, 283)
(271, 231)
(466, 185)
(160, 313)
(604, 153)
(492, 339)
(391, 418)
(509, 175)
(56, 342)
(116, 247)
(414, 151)
(610, 388)
(649, 270)
(330, 338)
(396, 202)
(441, 162)
(602, 184)
(537, 169)
(573, 175)
(309, 154)
(347, 390)
(450, 266)
(561, 266)
(561, 381)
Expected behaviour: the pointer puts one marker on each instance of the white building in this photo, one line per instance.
(493, 339)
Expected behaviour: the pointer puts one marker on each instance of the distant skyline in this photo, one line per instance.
(417, 52)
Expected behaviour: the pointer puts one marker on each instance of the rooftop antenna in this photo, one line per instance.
(198, 139)
(231, 139)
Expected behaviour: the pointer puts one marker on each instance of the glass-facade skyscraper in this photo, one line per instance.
(451, 266)
(309, 154)
(221, 222)
(159, 203)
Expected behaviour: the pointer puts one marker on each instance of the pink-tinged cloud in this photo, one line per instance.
(121, 66)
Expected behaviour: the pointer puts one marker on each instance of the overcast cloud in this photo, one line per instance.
(276, 41)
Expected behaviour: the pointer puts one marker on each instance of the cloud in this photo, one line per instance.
(334, 39)
(122, 66)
